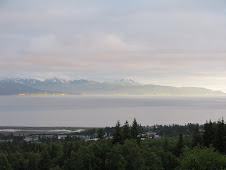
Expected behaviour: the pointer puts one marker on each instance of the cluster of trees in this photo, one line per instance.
(10, 137)
(174, 130)
(199, 149)
(214, 135)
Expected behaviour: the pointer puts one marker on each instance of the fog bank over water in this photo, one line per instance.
(99, 111)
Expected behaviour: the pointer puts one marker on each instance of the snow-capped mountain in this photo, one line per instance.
(123, 86)
(125, 81)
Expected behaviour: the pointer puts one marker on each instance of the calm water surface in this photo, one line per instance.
(92, 111)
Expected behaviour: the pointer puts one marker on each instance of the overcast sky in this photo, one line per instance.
(167, 42)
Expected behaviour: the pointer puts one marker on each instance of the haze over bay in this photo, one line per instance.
(94, 111)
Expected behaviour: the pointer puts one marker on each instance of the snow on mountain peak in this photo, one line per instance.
(125, 81)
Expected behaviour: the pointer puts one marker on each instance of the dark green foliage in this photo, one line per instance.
(82, 160)
(114, 159)
(219, 136)
(180, 145)
(56, 153)
(117, 135)
(71, 162)
(99, 149)
(173, 130)
(133, 155)
(196, 137)
(57, 168)
(151, 160)
(208, 136)
(224, 137)
(45, 160)
(100, 134)
(166, 145)
(201, 159)
(4, 164)
(85, 159)
(126, 131)
(124, 151)
(169, 160)
(17, 161)
(134, 130)
(33, 161)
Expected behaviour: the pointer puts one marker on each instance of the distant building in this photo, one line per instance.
(150, 134)
(49, 136)
(28, 139)
(61, 136)
(94, 139)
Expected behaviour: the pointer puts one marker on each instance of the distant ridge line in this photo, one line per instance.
(18, 86)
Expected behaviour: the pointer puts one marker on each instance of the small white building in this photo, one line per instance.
(28, 139)
(61, 136)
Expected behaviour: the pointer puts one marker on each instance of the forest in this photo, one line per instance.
(191, 146)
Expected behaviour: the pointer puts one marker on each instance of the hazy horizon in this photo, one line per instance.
(112, 81)
(102, 111)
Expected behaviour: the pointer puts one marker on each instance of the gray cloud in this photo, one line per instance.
(174, 42)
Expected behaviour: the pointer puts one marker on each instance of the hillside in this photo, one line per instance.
(8, 87)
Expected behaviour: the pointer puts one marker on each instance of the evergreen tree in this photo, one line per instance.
(4, 164)
(166, 145)
(71, 163)
(180, 145)
(151, 160)
(45, 161)
(32, 161)
(196, 137)
(126, 131)
(224, 139)
(219, 136)
(100, 134)
(169, 160)
(202, 158)
(133, 155)
(17, 160)
(117, 135)
(134, 130)
(85, 159)
(208, 135)
(114, 159)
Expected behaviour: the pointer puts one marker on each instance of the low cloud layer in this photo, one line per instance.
(176, 42)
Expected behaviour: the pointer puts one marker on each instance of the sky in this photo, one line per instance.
(166, 42)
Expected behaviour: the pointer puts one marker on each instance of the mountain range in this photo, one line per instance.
(88, 87)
